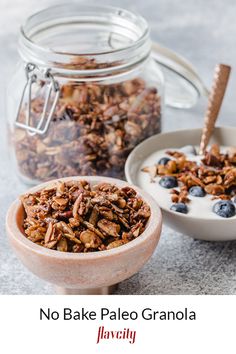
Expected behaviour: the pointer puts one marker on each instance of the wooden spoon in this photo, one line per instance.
(220, 81)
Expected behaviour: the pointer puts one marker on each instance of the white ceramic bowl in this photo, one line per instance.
(207, 228)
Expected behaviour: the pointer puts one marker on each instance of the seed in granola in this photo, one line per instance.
(65, 228)
(49, 233)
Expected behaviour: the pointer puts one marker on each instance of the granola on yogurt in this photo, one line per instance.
(190, 177)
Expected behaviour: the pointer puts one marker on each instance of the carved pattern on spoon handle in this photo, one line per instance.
(220, 81)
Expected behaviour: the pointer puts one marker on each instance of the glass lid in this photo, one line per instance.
(183, 86)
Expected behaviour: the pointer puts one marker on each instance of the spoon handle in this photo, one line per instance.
(220, 81)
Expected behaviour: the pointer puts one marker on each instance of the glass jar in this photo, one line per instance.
(86, 91)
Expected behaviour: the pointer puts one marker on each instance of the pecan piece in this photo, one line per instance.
(61, 201)
(106, 213)
(214, 189)
(108, 227)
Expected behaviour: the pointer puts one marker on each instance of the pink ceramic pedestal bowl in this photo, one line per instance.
(85, 273)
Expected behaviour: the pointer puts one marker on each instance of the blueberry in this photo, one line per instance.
(180, 208)
(163, 161)
(197, 191)
(224, 208)
(168, 182)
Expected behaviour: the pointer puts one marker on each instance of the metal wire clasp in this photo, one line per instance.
(53, 87)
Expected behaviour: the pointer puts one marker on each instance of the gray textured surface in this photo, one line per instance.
(204, 32)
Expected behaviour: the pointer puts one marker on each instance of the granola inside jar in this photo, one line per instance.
(92, 92)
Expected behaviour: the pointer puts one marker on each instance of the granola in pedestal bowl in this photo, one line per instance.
(84, 235)
(74, 216)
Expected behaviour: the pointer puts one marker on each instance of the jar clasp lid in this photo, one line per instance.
(53, 87)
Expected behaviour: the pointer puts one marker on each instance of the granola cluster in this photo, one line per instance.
(77, 217)
(216, 174)
(94, 128)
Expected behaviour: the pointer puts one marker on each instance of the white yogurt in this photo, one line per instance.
(199, 207)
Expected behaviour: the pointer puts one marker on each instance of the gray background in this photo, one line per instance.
(203, 31)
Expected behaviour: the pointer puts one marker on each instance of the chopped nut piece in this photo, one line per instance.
(180, 196)
(50, 244)
(109, 227)
(90, 239)
(214, 189)
(61, 201)
(121, 203)
(49, 233)
(136, 229)
(62, 245)
(74, 222)
(115, 244)
(106, 213)
(76, 206)
(72, 238)
(78, 248)
(93, 228)
(62, 226)
(94, 216)
(60, 188)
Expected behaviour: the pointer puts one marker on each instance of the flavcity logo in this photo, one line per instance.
(125, 334)
(147, 314)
